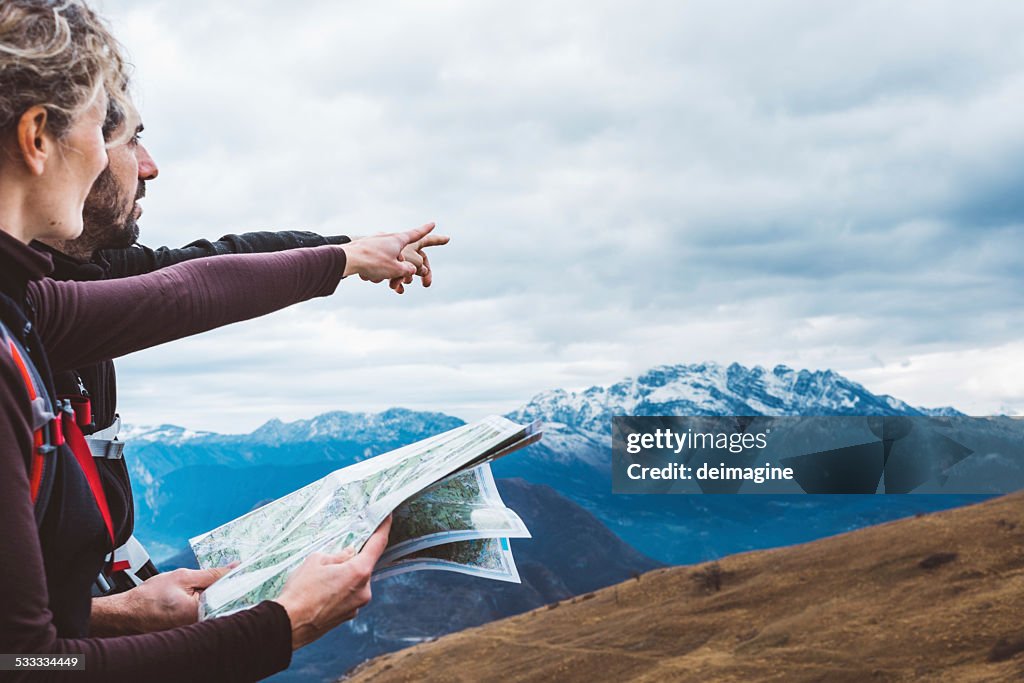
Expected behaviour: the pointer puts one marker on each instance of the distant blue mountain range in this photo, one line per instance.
(187, 482)
(585, 538)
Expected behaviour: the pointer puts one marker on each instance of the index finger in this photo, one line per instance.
(434, 241)
(377, 542)
(419, 233)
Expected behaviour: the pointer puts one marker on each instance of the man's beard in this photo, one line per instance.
(109, 216)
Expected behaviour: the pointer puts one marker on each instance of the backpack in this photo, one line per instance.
(54, 425)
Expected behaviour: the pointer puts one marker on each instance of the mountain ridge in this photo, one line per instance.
(700, 389)
(936, 597)
(178, 472)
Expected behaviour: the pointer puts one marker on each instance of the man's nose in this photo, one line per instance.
(147, 167)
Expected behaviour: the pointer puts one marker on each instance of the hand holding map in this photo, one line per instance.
(329, 589)
(341, 511)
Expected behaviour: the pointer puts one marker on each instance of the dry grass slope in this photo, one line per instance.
(935, 598)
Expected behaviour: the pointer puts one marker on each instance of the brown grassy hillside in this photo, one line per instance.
(935, 598)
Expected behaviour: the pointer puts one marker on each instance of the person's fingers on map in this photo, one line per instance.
(355, 574)
(201, 579)
(375, 545)
(321, 594)
(344, 556)
(169, 599)
(350, 576)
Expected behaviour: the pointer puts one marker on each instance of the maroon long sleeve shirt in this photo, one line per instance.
(46, 569)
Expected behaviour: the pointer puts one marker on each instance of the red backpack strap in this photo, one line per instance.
(76, 442)
(45, 436)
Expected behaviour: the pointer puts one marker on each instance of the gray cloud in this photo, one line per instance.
(626, 184)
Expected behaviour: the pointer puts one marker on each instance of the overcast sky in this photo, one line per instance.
(825, 185)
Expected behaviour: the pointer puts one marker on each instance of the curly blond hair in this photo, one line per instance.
(59, 54)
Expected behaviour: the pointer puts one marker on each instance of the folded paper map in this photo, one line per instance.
(447, 515)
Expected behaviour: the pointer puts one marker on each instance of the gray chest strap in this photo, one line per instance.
(104, 443)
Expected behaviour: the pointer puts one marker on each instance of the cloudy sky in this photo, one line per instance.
(823, 185)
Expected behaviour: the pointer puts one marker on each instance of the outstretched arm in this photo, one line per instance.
(85, 322)
(139, 260)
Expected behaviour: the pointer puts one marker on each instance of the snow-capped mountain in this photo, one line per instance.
(697, 389)
(712, 389)
(182, 476)
(578, 424)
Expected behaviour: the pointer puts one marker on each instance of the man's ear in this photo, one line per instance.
(34, 141)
